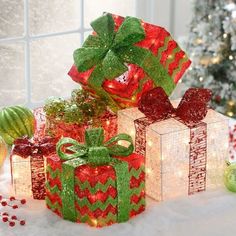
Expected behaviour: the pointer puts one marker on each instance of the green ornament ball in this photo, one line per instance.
(16, 122)
(230, 177)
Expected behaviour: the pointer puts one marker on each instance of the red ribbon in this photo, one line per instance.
(25, 147)
(193, 107)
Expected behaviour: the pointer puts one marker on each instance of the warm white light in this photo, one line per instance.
(231, 57)
(225, 35)
(96, 171)
(230, 113)
(231, 103)
(150, 143)
(94, 222)
(234, 14)
(215, 60)
(180, 81)
(180, 173)
(108, 122)
(200, 79)
(148, 170)
(209, 17)
(132, 133)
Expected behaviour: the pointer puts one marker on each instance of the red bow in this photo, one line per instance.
(193, 107)
(26, 147)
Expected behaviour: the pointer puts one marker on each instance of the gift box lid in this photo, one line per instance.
(134, 160)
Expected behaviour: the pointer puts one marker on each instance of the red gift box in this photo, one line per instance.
(127, 89)
(89, 193)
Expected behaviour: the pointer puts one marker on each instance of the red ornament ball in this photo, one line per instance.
(22, 201)
(14, 206)
(4, 203)
(12, 223)
(22, 222)
(14, 217)
(12, 198)
(5, 219)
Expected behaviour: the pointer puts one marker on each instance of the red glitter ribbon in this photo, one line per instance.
(192, 109)
(37, 151)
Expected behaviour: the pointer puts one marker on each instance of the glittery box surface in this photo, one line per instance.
(171, 171)
(95, 190)
(128, 88)
(76, 131)
(232, 139)
(28, 175)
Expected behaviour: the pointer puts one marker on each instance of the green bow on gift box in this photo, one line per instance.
(95, 152)
(108, 52)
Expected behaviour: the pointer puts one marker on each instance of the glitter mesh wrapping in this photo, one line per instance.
(126, 89)
(232, 140)
(179, 160)
(76, 131)
(28, 169)
(95, 193)
(40, 120)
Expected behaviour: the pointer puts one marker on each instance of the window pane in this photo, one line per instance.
(11, 18)
(12, 82)
(51, 59)
(50, 16)
(94, 9)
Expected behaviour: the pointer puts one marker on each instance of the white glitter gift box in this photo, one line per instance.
(28, 166)
(185, 152)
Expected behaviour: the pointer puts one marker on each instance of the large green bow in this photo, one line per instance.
(95, 152)
(109, 51)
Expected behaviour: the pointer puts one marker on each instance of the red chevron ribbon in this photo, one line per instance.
(192, 109)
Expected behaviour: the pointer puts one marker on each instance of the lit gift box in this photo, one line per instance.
(70, 118)
(232, 139)
(125, 57)
(92, 186)
(185, 147)
(28, 162)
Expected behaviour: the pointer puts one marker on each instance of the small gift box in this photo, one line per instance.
(232, 139)
(28, 158)
(185, 147)
(125, 57)
(89, 184)
(70, 118)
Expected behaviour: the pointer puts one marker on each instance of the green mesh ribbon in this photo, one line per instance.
(95, 152)
(108, 52)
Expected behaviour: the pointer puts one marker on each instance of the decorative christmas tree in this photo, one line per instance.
(212, 48)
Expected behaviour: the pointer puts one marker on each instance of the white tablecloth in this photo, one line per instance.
(204, 214)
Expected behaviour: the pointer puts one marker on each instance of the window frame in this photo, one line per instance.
(142, 8)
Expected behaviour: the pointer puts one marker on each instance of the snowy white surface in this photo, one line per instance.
(205, 214)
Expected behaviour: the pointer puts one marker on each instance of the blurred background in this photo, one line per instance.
(38, 37)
